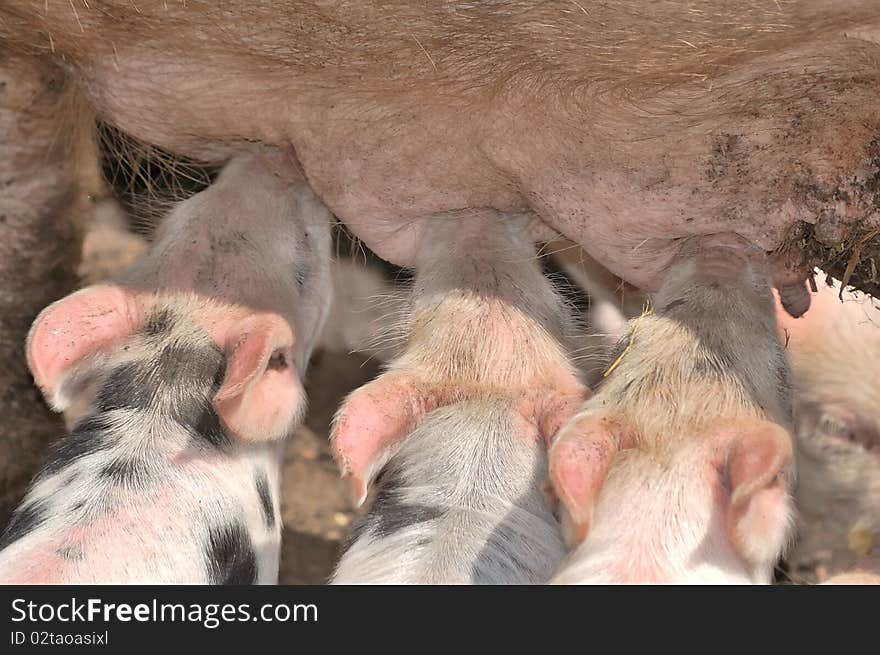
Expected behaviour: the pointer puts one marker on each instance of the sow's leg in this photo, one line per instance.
(44, 143)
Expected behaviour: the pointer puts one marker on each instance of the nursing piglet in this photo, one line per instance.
(679, 468)
(180, 382)
(459, 422)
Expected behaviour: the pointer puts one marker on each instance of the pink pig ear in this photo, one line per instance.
(372, 424)
(758, 470)
(74, 328)
(580, 459)
(261, 396)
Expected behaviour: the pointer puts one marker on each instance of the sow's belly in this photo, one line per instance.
(626, 130)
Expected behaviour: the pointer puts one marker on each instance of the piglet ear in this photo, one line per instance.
(372, 424)
(580, 459)
(74, 328)
(261, 397)
(758, 472)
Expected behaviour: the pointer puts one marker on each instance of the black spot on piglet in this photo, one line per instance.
(209, 429)
(127, 472)
(87, 438)
(391, 512)
(126, 387)
(159, 323)
(229, 556)
(182, 364)
(262, 484)
(27, 519)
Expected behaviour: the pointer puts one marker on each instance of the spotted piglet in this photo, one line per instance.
(679, 468)
(459, 422)
(181, 381)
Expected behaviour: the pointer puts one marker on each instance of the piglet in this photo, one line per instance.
(180, 380)
(459, 422)
(834, 349)
(678, 469)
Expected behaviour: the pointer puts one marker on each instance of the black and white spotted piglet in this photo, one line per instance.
(150, 486)
(180, 381)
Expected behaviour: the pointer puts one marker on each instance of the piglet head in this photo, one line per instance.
(709, 509)
(76, 329)
(373, 422)
(261, 397)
